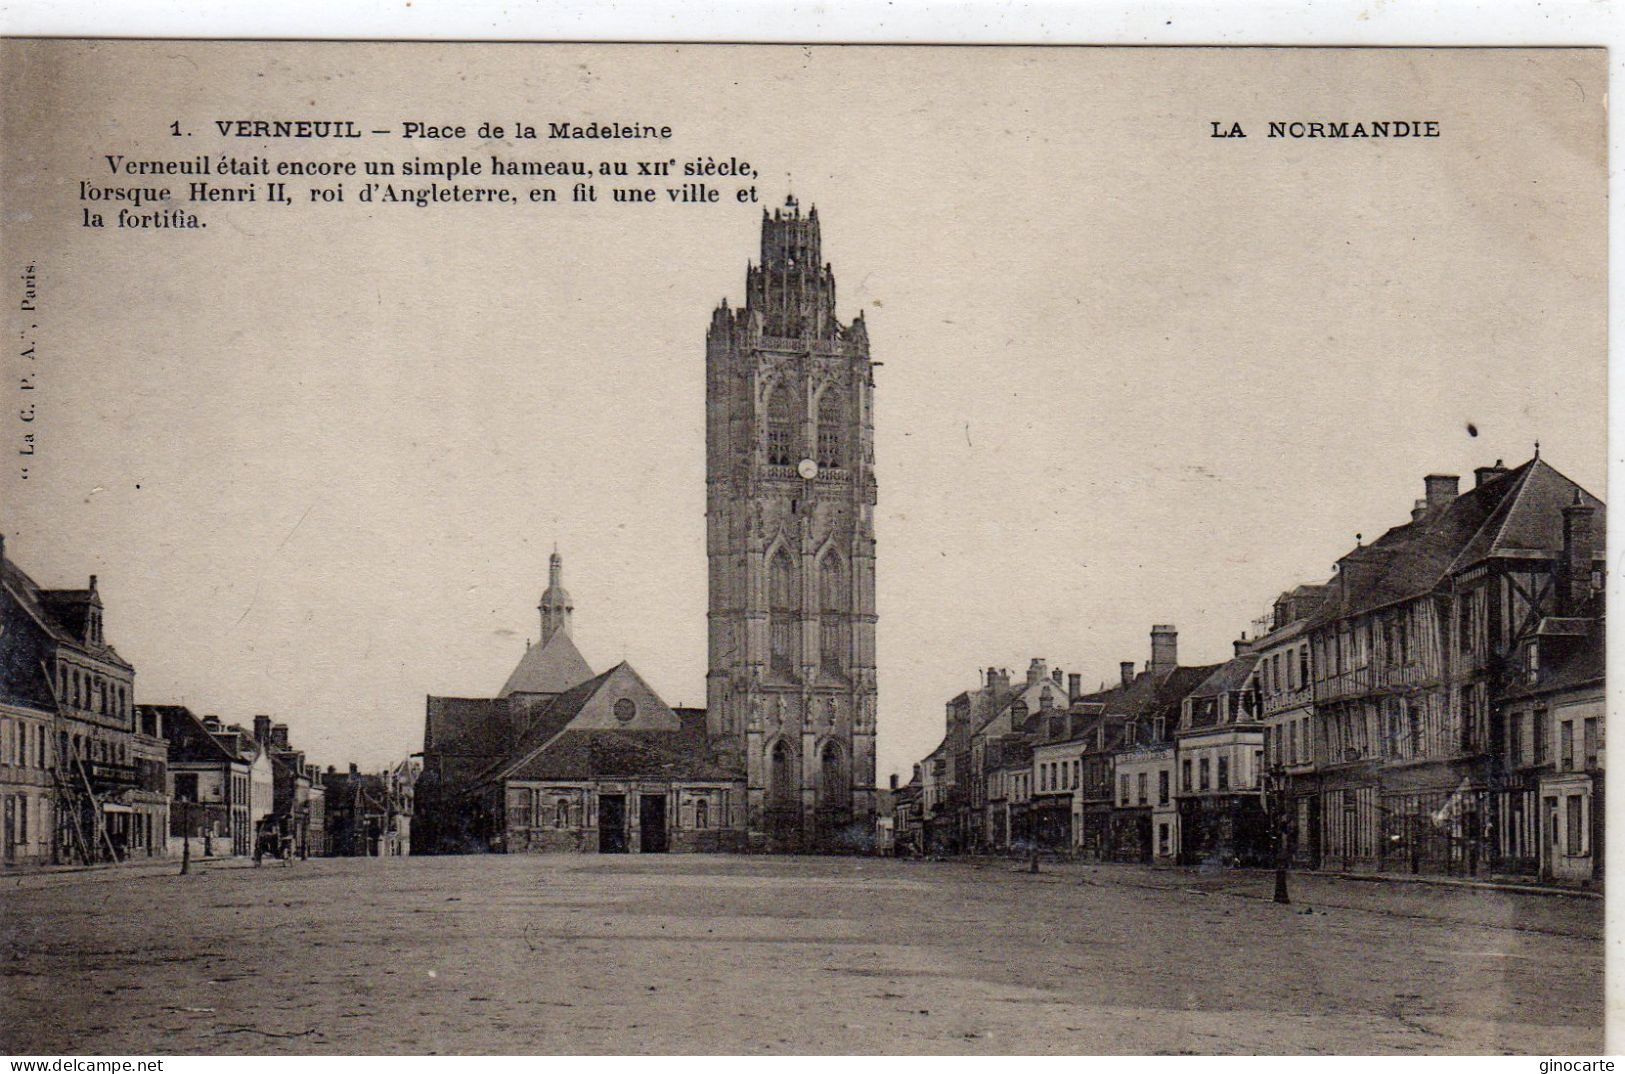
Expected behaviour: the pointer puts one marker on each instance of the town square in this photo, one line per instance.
(708, 954)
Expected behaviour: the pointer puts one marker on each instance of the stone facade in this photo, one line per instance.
(790, 497)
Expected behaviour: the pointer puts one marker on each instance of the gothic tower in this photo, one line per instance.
(790, 496)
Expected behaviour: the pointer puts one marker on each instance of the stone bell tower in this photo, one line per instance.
(790, 497)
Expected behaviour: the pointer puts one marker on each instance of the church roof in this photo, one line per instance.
(552, 667)
(569, 739)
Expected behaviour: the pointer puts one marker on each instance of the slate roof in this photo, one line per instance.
(1581, 662)
(1229, 677)
(189, 741)
(611, 754)
(59, 612)
(1516, 513)
(549, 668)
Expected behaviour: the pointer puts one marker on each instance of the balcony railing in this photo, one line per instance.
(1370, 679)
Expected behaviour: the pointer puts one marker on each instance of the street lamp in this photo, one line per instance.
(1275, 800)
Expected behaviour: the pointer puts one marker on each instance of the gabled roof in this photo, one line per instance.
(189, 741)
(1517, 513)
(58, 612)
(1230, 675)
(603, 753)
(549, 668)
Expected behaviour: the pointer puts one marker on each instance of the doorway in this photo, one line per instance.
(652, 823)
(612, 824)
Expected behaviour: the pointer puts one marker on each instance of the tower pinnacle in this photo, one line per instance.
(556, 604)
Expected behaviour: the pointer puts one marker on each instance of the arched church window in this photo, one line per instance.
(784, 609)
(832, 784)
(783, 789)
(780, 428)
(831, 430)
(832, 608)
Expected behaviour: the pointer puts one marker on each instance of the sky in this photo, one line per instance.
(1133, 374)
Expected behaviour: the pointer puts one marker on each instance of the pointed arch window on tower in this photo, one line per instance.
(832, 608)
(780, 428)
(784, 611)
(832, 776)
(782, 790)
(832, 430)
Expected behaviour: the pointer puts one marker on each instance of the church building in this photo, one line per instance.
(783, 756)
(564, 758)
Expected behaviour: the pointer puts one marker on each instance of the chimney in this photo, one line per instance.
(1164, 649)
(1441, 489)
(1074, 686)
(1055, 676)
(1418, 509)
(1242, 644)
(1036, 670)
(353, 770)
(279, 735)
(1574, 570)
(992, 677)
(211, 723)
(262, 729)
(1126, 669)
(1485, 474)
(894, 781)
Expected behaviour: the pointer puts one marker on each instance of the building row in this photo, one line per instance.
(1436, 706)
(88, 774)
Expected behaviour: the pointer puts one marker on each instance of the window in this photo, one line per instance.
(1203, 768)
(832, 607)
(784, 614)
(1515, 739)
(1591, 726)
(1565, 746)
(1123, 788)
(1469, 718)
(186, 786)
(831, 430)
(625, 709)
(1139, 786)
(1074, 773)
(1224, 773)
(1275, 673)
(780, 428)
(1541, 747)
(1162, 787)
(833, 783)
(702, 814)
(783, 787)
(1303, 667)
(1185, 776)
(1576, 842)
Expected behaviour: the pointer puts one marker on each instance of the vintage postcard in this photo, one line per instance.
(774, 549)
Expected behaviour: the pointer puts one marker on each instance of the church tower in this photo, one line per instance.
(556, 605)
(790, 497)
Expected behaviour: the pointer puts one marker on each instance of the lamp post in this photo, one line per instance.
(1275, 799)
